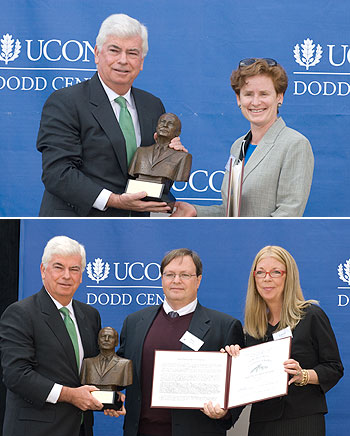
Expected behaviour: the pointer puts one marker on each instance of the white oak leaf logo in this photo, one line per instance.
(344, 272)
(307, 58)
(8, 54)
(98, 271)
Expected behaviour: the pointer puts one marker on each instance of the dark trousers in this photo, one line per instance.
(313, 425)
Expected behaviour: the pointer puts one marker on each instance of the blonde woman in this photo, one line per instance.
(275, 303)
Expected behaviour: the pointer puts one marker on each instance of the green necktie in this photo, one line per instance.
(72, 332)
(127, 126)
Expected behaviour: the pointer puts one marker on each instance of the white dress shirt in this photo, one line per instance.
(101, 200)
(191, 307)
(57, 388)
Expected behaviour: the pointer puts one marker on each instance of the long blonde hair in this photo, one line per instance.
(293, 305)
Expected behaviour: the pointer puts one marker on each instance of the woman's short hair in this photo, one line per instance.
(181, 252)
(277, 74)
(122, 26)
(63, 246)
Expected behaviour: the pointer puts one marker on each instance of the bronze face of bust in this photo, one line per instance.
(168, 127)
(107, 371)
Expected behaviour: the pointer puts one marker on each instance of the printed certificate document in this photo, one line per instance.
(188, 379)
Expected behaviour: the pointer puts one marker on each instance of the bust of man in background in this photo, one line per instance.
(107, 371)
(158, 163)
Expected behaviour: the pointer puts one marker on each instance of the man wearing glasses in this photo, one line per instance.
(162, 328)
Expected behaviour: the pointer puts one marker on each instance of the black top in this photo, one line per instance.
(314, 346)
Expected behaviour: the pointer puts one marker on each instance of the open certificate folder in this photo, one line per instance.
(188, 379)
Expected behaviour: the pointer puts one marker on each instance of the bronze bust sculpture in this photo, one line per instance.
(160, 164)
(107, 371)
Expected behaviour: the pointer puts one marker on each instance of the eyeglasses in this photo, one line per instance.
(250, 61)
(274, 274)
(182, 276)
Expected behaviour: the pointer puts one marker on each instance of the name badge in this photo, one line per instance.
(285, 333)
(191, 341)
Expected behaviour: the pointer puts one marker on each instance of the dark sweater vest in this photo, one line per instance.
(164, 334)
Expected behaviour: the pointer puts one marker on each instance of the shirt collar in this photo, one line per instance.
(59, 305)
(191, 307)
(112, 95)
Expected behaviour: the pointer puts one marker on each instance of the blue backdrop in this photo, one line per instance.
(227, 248)
(194, 46)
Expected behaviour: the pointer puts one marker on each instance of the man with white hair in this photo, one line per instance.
(89, 132)
(43, 340)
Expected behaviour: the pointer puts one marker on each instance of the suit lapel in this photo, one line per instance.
(259, 153)
(97, 365)
(163, 155)
(84, 331)
(57, 327)
(110, 365)
(264, 147)
(199, 326)
(145, 116)
(103, 113)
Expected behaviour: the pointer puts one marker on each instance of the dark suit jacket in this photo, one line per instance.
(171, 164)
(83, 148)
(216, 329)
(36, 352)
(314, 346)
